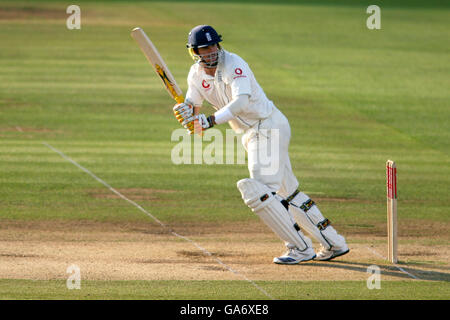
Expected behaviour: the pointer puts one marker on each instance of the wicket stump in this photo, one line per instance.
(391, 186)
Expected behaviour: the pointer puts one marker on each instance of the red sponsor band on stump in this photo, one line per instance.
(391, 174)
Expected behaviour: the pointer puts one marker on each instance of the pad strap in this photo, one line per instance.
(322, 225)
(292, 196)
(307, 205)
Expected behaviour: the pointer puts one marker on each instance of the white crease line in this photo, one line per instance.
(206, 252)
(409, 274)
(395, 265)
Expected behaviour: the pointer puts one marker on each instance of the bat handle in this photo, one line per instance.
(179, 99)
(197, 126)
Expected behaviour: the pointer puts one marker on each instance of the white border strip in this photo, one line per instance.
(206, 252)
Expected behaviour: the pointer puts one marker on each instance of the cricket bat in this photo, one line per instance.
(160, 67)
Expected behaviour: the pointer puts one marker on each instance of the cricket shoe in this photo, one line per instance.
(328, 254)
(294, 256)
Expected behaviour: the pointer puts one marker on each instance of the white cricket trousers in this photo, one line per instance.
(267, 145)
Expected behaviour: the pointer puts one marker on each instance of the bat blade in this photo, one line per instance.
(160, 67)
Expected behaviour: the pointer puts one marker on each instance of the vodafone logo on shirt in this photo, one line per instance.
(238, 73)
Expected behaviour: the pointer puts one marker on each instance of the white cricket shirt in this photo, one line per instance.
(233, 77)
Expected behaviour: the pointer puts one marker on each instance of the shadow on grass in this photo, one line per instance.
(387, 270)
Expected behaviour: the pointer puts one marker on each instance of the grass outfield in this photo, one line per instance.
(354, 98)
(221, 290)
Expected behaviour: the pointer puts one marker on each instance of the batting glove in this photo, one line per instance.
(183, 112)
(205, 122)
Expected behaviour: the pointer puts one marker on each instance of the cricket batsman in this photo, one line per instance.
(272, 192)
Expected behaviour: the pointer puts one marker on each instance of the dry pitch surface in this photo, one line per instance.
(106, 251)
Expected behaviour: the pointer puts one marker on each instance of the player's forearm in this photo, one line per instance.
(231, 110)
(187, 114)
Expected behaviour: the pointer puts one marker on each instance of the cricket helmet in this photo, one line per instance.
(202, 36)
